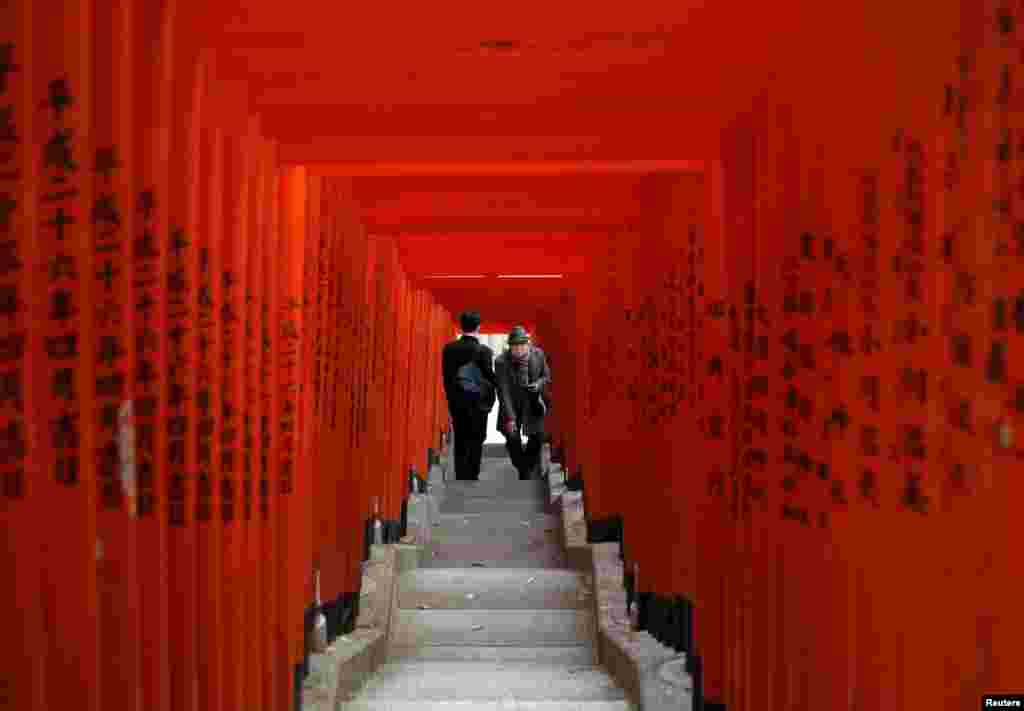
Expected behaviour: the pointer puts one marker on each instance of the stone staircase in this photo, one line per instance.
(493, 619)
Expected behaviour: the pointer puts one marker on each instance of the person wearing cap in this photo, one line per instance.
(523, 376)
(469, 416)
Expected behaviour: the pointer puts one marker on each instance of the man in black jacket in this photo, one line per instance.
(468, 410)
(523, 377)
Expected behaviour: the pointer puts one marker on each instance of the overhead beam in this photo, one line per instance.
(525, 168)
(375, 154)
(458, 239)
(497, 225)
(510, 262)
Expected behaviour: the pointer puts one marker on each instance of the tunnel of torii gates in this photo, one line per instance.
(775, 252)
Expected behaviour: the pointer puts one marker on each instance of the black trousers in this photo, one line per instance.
(470, 432)
(524, 458)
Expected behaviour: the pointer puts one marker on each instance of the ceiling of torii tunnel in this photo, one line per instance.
(493, 140)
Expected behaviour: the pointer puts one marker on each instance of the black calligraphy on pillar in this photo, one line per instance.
(179, 370)
(106, 222)
(869, 278)
(13, 446)
(60, 224)
(145, 254)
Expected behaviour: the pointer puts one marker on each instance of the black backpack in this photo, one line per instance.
(475, 390)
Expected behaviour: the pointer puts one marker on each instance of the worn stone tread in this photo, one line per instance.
(492, 627)
(486, 705)
(484, 680)
(492, 589)
(577, 654)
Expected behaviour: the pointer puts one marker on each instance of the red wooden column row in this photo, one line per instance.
(113, 221)
(23, 489)
(158, 367)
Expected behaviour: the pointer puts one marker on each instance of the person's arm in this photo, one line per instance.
(544, 378)
(486, 363)
(446, 373)
(504, 395)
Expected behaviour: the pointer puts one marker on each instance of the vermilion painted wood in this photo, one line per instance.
(294, 214)
(23, 500)
(64, 315)
(838, 635)
(258, 322)
(393, 329)
(1013, 406)
(758, 298)
(712, 393)
(331, 418)
(358, 346)
(918, 281)
(181, 302)
(118, 603)
(675, 352)
(310, 458)
(274, 668)
(208, 502)
(234, 255)
(267, 392)
(990, 182)
(401, 415)
(373, 368)
(153, 39)
(739, 202)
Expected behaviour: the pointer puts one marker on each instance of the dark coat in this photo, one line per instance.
(455, 355)
(513, 398)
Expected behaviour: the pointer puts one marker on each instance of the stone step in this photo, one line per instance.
(483, 680)
(490, 488)
(491, 505)
(529, 628)
(498, 523)
(520, 536)
(500, 589)
(575, 655)
(372, 704)
(493, 555)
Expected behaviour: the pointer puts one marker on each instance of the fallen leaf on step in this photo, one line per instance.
(479, 565)
(531, 580)
(423, 607)
(477, 628)
(470, 596)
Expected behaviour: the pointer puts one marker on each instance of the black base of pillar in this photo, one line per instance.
(403, 521)
(714, 706)
(684, 618)
(664, 621)
(574, 484)
(695, 668)
(341, 615)
(367, 538)
(309, 618)
(331, 610)
(392, 531)
(627, 584)
(643, 605)
(349, 612)
(298, 678)
(605, 530)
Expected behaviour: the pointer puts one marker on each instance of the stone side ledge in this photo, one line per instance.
(649, 672)
(338, 674)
